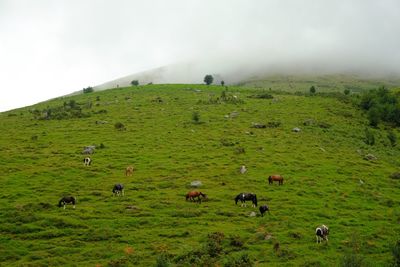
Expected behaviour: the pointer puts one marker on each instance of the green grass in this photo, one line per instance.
(41, 161)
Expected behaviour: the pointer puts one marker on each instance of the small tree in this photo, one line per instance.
(312, 90)
(88, 90)
(135, 83)
(208, 79)
(346, 91)
(222, 83)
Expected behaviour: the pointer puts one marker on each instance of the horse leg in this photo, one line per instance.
(64, 206)
(123, 192)
(74, 206)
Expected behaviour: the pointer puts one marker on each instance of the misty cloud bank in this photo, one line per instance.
(52, 48)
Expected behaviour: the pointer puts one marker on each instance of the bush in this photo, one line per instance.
(162, 261)
(313, 90)
(346, 91)
(351, 260)
(395, 249)
(392, 138)
(119, 126)
(369, 137)
(241, 261)
(196, 117)
(135, 83)
(88, 90)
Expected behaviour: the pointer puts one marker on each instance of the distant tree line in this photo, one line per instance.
(381, 105)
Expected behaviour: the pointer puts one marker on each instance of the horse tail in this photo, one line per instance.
(236, 199)
(255, 200)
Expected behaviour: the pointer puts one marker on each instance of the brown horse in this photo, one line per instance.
(129, 171)
(193, 194)
(276, 177)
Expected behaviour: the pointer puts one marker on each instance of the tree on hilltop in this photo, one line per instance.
(208, 79)
(135, 83)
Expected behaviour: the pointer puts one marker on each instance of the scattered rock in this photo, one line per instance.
(88, 149)
(196, 184)
(131, 207)
(322, 149)
(308, 122)
(252, 214)
(258, 125)
(101, 122)
(370, 157)
(268, 237)
(296, 130)
(243, 169)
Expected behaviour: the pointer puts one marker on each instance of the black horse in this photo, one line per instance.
(263, 209)
(67, 200)
(246, 196)
(118, 189)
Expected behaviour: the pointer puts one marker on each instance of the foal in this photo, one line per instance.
(118, 189)
(322, 232)
(67, 200)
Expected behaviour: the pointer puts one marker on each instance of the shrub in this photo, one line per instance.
(351, 260)
(395, 249)
(392, 138)
(162, 261)
(119, 126)
(346, 91)
(241, 261)
(312, 90)
(135, 83)
(88, 89)
(369, 137)
(196, 117)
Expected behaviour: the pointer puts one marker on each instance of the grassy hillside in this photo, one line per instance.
(323, 83)
(327, 180)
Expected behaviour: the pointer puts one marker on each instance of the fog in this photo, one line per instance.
(52, 48)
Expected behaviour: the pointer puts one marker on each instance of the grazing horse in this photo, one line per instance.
(277, 177)
(322, 232)
(246, 196)
(118, 189)
(243, 169)
(193, 194)
(67, 200)
(87, 161)
(263, 209)
(129, 171)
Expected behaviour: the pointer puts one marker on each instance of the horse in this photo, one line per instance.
(246, 196)
(321, 233)
(129, 171)
(263, 209)
(193, 194)
(277, 177)
(67, 200)
(87, 161)
(118, 189)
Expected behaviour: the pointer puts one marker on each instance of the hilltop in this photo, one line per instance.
(176, 134)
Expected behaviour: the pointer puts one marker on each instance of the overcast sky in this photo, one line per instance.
(50, 48)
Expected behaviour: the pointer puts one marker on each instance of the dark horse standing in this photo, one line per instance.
(246, 196)
(67, 200)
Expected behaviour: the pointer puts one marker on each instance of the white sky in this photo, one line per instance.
(50, 48)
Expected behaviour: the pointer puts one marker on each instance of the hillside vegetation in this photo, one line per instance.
(176, 134)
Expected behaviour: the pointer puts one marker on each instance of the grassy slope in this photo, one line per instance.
(323, 83)
(322, 169)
